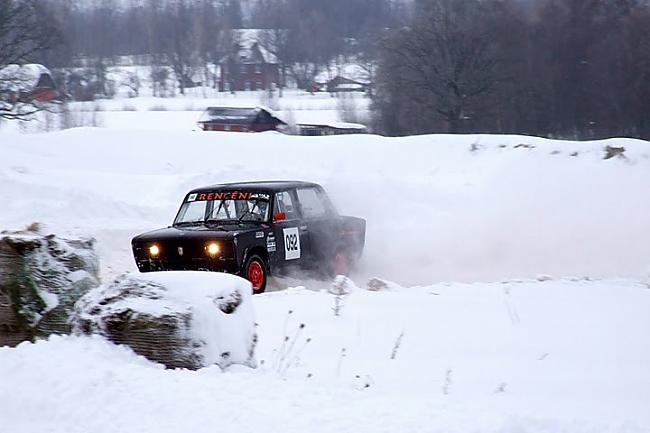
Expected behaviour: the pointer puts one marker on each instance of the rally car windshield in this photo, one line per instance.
(209, 208)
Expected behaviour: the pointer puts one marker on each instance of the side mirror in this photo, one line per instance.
(279, 216)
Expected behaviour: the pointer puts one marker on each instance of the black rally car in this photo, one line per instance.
(254, 229)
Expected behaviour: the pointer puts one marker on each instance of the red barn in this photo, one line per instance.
(31, 82)
(239, 120)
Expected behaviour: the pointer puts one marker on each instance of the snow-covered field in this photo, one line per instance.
(182, 112)
(436, 210)
(521, 287)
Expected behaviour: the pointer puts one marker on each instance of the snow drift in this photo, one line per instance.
(179, 319)
(508, 357)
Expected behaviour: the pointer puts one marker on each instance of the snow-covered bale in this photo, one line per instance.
(41, 277)
(182, 319)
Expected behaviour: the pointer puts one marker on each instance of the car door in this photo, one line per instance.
(319, 220)
(291, 238)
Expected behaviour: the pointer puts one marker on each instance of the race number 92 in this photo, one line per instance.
(291, 243)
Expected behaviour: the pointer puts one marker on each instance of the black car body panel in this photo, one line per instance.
(288, 224)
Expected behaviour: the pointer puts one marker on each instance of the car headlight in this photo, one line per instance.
(154, 250)
(212, 248)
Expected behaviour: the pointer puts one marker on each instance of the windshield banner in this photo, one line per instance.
(226, 195)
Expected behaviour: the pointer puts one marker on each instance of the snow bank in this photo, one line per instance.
(180, 319)
(509, 357)
(438, 207)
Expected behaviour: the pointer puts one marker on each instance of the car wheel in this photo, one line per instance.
(255, 272)
(341, 263)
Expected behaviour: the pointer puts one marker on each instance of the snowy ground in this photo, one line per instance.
(493, 350)
(436, 210)
(555, 356)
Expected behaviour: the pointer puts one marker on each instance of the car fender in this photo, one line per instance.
(259, 250)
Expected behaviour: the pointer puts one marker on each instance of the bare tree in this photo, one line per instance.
(274, 17)
(367, 56)
(24, 32)
(276, 41)
(132, 82)
(182, 53)
(446, 58)
(215, 38)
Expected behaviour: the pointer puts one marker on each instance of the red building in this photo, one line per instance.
(249, 66)
(31, 82)
(239, 120)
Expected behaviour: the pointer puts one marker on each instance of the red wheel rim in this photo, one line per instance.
(256, 275)
(341, 264)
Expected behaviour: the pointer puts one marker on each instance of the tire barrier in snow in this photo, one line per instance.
(41, 278)
(183, 319)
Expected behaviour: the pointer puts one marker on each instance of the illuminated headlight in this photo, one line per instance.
(154, 250)
(212, 248)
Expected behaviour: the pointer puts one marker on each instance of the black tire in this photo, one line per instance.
(255, 271)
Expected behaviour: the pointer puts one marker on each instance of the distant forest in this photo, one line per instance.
(556, 68)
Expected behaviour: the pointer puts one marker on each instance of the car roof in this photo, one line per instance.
(262, 186)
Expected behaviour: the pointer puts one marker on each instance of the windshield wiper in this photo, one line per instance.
(219, 210)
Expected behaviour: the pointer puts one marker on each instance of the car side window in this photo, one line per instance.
(284, 203)
(311, 203)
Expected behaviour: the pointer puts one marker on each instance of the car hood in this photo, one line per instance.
(195, 232)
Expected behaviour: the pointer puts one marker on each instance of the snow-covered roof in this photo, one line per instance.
(350, 71)
(336, 125)
(349, 86)
(251, 40)
(346, 125)
(230, 114)
(233, 114)
(21, 77)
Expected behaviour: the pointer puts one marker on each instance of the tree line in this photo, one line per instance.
(305, 36)
(557, 68)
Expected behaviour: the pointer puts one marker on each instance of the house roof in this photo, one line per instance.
(350, 71)
(349, 86)
(250, 44)
(334, 125)
(233, 115)
(21, 77)
(228, 114)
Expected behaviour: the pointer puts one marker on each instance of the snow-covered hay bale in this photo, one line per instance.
(182, 319)
(41, 277)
